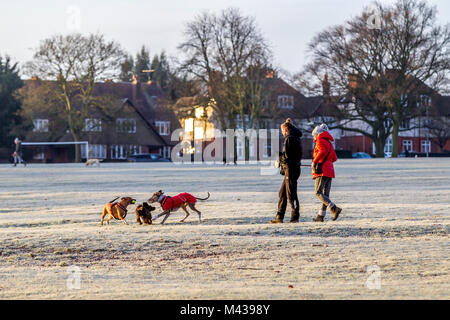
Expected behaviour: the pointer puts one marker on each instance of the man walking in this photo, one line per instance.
(323, 170)
(290, 168)
(18, 153)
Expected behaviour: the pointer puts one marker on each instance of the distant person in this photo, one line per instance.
(17, 155)
(290, 167)
(323, 170)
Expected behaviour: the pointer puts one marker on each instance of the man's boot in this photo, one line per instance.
(278, 219)
(295, 217)
(335, 210)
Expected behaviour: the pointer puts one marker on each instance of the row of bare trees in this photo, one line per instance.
(75, 63)
(229, 55)
(225, 59)
(381, 73)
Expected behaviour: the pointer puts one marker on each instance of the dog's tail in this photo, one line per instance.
(203, 198)
(114, 199)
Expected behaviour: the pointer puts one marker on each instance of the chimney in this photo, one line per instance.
(135, 79)
(135, 84)
(352, 81)
(325, 86)
(270, 74)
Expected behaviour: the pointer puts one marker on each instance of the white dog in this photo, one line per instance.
(91, 162)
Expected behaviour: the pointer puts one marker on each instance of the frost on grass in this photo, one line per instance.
(396, 217)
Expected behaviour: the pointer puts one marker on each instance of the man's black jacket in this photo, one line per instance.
(292, 148)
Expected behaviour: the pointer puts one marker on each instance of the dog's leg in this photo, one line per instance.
(104, 213)
(165, 218)
(138, 219)
(192, 206)
(109, 218)
(121, 218)
(158, 215)
(185, 210)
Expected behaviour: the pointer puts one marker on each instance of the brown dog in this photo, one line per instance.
(170, 204)
(144, 213)
(117, 210)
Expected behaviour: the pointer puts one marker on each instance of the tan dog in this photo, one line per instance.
(117, 210)
(171, 204)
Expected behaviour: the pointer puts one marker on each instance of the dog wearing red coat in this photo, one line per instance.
(170, 204)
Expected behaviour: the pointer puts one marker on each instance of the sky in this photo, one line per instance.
(288, 25)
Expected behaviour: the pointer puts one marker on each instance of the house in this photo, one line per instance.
(414, 135)
(283, 101)
(280, 101)
(134, 119)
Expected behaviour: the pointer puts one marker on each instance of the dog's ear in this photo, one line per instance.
(160, 191)
(145, 205)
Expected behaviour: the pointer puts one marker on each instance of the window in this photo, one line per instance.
(163, 127)
(198, 133)
(388, 146)
(96, 151)
(40, 125)
(126, 125)
(124, 151)
(405, 124)
(424, 100)
(387, 123)
(407, 145)
(286, 102)
(189, 125)
(404, 100)
(92, 125)
(166, 152)
(425, 146)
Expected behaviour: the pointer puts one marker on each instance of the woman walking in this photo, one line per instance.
(323, 170)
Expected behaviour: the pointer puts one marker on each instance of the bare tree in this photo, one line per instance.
(376, 74)
(439, 128)
(76, 63)
(419, 52)
(228, 52)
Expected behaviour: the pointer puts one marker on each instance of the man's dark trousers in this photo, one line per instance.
(288, 192)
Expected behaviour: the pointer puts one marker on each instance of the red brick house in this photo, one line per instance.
(414, 136)
(137, 121)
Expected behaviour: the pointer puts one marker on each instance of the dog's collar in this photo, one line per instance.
(161, 198)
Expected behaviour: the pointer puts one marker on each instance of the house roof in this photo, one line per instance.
(148, 100)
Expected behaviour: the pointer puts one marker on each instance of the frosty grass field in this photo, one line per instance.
(396, 217)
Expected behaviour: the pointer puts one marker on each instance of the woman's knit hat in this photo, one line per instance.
(319, 129)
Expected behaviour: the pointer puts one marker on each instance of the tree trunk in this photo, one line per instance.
(395, 127)
(77, 148)
(75, 138)
(379, 147)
